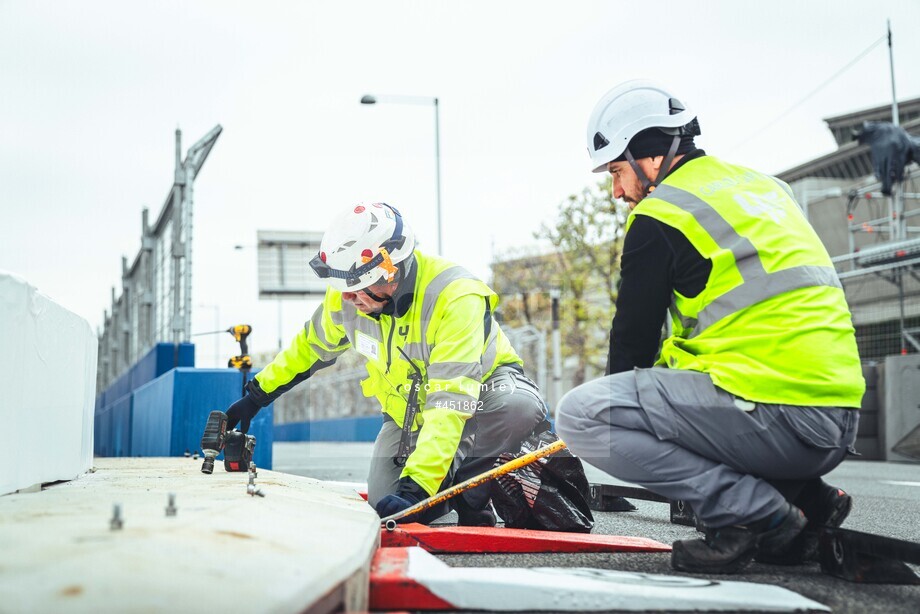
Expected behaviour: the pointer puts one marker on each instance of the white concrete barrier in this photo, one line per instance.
(46, 407)
(305, 547)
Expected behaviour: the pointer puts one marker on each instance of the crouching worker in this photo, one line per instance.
(754, 394)
(414, 318)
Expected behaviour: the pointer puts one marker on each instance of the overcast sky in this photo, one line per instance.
(91, 93)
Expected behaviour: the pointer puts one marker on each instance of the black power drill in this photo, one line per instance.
(237, 447)
(212, 441)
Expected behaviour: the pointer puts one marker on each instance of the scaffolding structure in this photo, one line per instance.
(155, 304)
(881, 270)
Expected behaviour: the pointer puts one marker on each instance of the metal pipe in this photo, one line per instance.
(371, 99)
(557, 350)
(879, 268)
(390, 521)
(899, 273)
(895, 119)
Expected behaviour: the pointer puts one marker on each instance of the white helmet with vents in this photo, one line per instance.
(363, 247)
(627, 110)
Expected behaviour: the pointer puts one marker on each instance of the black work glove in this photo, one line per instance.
(408, 494)
(242, 412)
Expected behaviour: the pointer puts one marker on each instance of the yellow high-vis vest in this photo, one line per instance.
(443, 333)
(772, 324)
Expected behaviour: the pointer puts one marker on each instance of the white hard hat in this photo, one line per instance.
(362, 247)
(627, 110)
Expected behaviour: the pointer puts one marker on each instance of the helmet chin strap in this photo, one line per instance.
(386, 300)
(648, 186)
(379, 299)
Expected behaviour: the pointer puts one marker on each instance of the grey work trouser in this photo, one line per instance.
(510, 407)
(680, 436)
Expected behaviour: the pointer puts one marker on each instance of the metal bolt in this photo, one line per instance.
(251, 489)
(195, 456)
(187, 453)
(171, 508)
(116, 523)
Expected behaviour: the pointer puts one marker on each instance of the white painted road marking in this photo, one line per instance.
(581, 589)
(896, 483)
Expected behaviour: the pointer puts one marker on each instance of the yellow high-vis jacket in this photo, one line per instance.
(772, 323)
(441, 318)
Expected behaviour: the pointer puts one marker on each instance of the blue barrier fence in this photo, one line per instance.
(159, 407)
(161, 358)
(363, 428)
(170, 413)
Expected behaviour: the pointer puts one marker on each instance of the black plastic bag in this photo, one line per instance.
(550, 494)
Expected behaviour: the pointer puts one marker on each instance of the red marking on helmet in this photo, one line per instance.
(322, 256)
(359, 209)
(367, 253)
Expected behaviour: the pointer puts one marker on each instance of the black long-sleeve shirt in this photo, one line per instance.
(657, 260)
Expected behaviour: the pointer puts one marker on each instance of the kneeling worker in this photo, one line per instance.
(407, 313)
(754, 395)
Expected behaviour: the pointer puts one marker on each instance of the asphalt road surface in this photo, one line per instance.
(886, 502)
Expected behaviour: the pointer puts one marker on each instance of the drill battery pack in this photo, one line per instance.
(238, 451)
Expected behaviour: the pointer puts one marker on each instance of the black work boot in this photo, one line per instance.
(835, 507)
(729, 549)
(471, 517)
(829, 506)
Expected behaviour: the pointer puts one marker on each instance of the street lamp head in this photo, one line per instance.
(368, 99)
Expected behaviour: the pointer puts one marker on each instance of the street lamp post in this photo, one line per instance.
(369, 99)
(240, 248)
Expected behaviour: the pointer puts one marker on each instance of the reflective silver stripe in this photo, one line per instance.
(758, 285)
(324, 354)
(434, 290)
(317, 322)
(746, 257)
(339, 316)
(369, 327)
(491, 351)
(767, 287)
(346, 319)
(453, 370)
(417, 351)
(451, 400)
